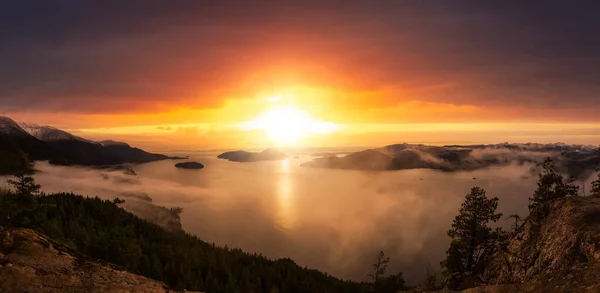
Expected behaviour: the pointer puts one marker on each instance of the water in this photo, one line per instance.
(332, 220)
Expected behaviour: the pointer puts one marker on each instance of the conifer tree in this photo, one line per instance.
(23, 182)
(380, 283)
(471, 235)
(551, 185)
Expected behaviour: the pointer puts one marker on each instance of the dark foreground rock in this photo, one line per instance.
(189, 165)
(31, 262)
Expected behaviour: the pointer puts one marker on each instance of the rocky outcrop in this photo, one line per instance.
(568, 237)
(30, 262)
(560, 253)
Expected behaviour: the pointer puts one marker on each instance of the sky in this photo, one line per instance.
(192, 74)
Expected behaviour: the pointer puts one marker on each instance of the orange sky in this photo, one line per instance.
(186, 75)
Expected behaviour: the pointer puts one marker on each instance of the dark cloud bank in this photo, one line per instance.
(105, 56)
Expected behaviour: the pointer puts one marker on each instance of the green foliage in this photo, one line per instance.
(103, 230)
(472, 237)
(381, 283)
(551, 185)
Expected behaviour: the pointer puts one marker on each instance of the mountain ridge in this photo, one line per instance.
(62, 148)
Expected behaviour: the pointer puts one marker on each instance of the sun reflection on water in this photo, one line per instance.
(285, 197)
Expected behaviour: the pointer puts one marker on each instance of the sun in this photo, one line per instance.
(288, 124)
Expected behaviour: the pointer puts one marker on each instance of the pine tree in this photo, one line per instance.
(551, 185)
(379, 267)
(23, 182)
(471, 235)
(381, 283)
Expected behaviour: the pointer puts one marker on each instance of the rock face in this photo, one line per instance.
(243, 156)
(561, 253)
(30, 262)
(568, 238)
(189, 165)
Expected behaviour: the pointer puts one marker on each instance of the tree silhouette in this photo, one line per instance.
(379, 267)
(551, 185)
(596, 183)
(517, 219)
(23, 182)
(430, 282)
(471, 235)
(596, 186)
(381, 283)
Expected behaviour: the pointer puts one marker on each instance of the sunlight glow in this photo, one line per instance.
(288, 124)
(274, 99)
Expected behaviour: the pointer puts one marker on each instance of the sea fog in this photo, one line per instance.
(332, 220)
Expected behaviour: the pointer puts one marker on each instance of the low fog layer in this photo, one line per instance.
(576, 160)
(332, 220)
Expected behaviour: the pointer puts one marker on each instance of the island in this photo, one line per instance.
(244, 156)
(576, 160)
(189, 165)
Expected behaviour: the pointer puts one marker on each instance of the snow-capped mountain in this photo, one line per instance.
(112, 143)
(62, 148)
(9, 126)
(49, 133)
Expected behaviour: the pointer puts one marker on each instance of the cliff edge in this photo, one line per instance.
(560, 253)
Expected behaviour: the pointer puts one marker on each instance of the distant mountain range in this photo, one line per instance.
(62, 148)
(576, 160)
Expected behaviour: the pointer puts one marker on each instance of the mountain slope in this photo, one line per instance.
(102, 229)
(13, 140)
(31, 262)
(62, 148)
(49, 133)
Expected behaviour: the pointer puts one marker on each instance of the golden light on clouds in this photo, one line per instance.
(287, 124)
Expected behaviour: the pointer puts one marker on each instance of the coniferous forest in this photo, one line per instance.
(101, 229)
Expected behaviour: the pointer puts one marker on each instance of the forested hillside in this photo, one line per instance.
(103, 230)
